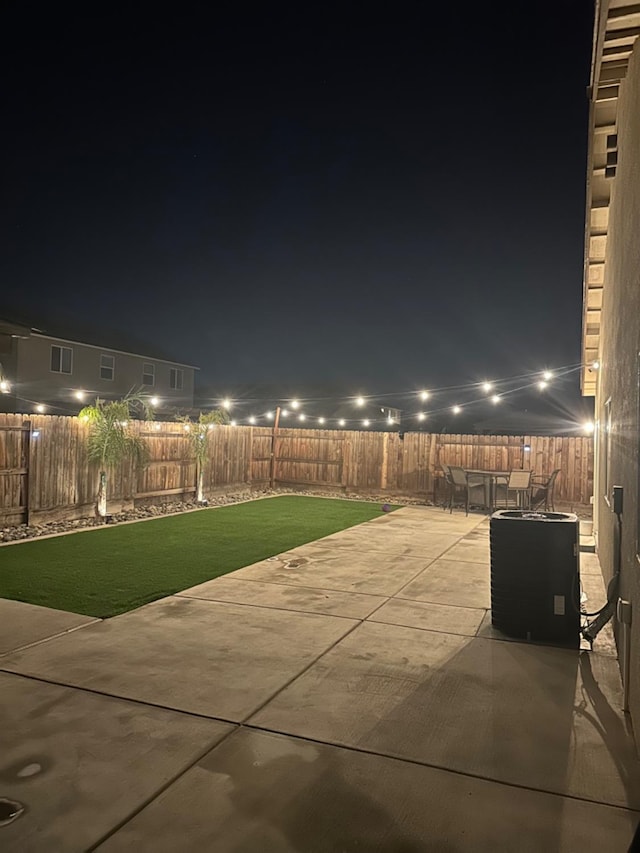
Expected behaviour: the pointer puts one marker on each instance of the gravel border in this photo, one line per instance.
(57, 528)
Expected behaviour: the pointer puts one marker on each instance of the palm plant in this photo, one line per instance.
(111, 441)
(198, 436)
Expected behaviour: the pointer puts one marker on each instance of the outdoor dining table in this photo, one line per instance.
(490, 479)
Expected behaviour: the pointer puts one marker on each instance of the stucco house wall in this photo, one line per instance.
(617, 390)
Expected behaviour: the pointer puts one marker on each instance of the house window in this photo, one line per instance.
(148, 374)
(107, 367)
(61, 359)
(175, 379)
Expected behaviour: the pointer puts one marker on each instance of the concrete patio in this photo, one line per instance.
(350, 695)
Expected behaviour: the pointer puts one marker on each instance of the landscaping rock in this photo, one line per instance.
(33, 531)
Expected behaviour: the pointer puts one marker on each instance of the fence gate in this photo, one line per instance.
(15, 442)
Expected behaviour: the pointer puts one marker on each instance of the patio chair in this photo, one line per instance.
(519, 482)
(458, 482)
(477, 489)
(542, 491)
(446, 479)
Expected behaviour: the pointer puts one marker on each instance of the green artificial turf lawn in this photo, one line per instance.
(114, 569)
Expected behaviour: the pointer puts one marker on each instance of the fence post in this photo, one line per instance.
(274, 435)
(27, 465)
(248, 468)
(385, 461)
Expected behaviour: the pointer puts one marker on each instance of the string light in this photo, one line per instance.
(302, 417)
(508, 387)
(233, 423)
(589, 427)
(366, 422)
(389, 412)
(595, 365)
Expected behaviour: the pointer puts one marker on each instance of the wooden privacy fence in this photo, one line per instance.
(45, 474)
(410, 464)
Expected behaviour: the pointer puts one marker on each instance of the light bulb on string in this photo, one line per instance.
(360, 401)
(366, 423)
(421, 416)
(487, 386)
(226, 403)
(456, 410)
(295, 404)
(302, 417)
(252, 420)
(321, 420)
(547, 376)
(424, 395)
(542, 384)
(341, 422)
(495, 399)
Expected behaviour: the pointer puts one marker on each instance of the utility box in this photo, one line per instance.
(535, 575)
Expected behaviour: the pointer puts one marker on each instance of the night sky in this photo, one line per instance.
(376, 199)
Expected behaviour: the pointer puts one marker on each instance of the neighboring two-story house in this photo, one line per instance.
(46, 372)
